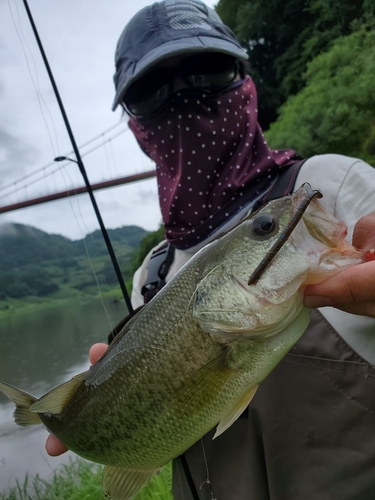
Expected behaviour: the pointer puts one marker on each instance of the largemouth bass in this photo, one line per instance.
(194, 356)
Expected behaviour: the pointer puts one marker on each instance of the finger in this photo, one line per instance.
(352, 290)
(96, 351)
(54, 447)
(355, 284)
(364, 232)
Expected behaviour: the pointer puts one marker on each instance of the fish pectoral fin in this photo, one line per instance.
(204, 386)
(232, 415)
(23, 401)
(55, 400)
(123, 484)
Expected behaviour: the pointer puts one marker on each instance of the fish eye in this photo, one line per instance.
(264, 226)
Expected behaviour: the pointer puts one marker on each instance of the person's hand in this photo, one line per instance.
(352, 290)
(54, 447)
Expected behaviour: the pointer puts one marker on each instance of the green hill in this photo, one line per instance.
(36, 264)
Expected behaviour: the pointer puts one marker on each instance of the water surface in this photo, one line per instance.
(38, 351)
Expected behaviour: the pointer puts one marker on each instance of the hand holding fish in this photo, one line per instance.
(352, 290)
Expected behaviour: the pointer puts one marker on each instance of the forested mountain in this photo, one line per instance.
(33, 262)
(283, 36)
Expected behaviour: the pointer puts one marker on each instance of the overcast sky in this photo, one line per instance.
(79, 38)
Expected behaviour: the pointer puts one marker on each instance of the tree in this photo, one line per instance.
(109, 273)
(44, 287)
(18, 290)
(282, 36)
(335, 112)
(148, 242)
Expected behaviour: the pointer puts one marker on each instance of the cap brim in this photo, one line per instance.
(174, 48)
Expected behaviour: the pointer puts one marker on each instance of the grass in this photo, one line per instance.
(81, 480)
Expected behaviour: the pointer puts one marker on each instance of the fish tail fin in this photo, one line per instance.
(23, 401)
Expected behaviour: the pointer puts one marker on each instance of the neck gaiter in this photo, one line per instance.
(211, 158)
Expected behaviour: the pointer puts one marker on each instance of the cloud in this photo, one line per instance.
(14, 155)
(7, 229)
(145, 196)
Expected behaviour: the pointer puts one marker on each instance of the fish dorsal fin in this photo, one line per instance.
(55, 401)
(119, 333)
(232, 415)
(124, 484)
(122, 328)
(23, 401)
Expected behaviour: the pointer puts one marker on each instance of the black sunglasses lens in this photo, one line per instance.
(149, 93)
(207, 72)
(210, 72)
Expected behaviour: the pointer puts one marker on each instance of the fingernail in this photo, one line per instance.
(313, 301)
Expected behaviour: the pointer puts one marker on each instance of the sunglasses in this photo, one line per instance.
(209, 73)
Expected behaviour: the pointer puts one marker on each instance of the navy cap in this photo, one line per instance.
(167, 29)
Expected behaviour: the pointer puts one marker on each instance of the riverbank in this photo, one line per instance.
(28, 305)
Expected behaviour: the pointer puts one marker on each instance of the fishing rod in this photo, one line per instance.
(81, 166)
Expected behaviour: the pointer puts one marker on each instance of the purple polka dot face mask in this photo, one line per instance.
(211, 157)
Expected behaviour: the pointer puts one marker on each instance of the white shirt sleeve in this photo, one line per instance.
(347, 184)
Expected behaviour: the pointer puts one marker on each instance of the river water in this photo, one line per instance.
(38, 351)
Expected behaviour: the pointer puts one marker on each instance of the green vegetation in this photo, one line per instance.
(38, 268)
(334, 112)
(283, 36)
(81, 480)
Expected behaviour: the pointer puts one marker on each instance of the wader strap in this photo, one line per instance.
(157, 270)
(189, 477)
(282, 186)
